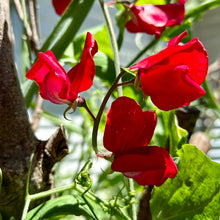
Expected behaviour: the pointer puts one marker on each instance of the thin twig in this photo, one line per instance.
(113, 41)
(18, 7)
(144, 206)
(34, 26)
(89, 111)
(37, 113)
(101, 109)
(126, 83)
(142, 52)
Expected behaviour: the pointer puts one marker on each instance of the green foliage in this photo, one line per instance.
(121, 18)
(197, 12)
(194, 193)
(176, 135)
(209, 100)
(168, 133)
(60, 207)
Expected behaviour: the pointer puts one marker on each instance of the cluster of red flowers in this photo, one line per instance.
(172, 79)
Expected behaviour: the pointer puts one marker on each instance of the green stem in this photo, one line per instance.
(142, 52)
(26, 27)
(113, 41)
(87, 202)
(89, 111)
(210, 98)
(202, 8)
(126, 83)
(27, 199)
(26, 207)
(52, 191)
(101, 109)
(131, 193)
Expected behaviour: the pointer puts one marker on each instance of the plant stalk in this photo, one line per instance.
(113, 41)
(101, 109)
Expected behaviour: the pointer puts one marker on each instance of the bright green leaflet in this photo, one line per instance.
(194, 193)
(177, 136)
(60, 207)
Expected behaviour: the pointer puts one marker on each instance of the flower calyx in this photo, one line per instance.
(137, 82)
(72, 106)
(107, 156)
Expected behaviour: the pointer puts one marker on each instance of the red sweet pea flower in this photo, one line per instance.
(153, 19)
(149, 165)
(60, 5)
(127, 133)
(172, 78)
(58, 86)
(128, 126)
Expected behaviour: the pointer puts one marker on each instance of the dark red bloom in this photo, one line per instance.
(60, 5)
(127, 133)
(128, 126)
(153, 19)
(149, 165)
(58, 86)
(172, 78)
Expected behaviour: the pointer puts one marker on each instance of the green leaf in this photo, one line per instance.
(131, 92)
(121, 17)
(60, 207)
(62, 35)
(176, 135)
(197, 12)
(103, 41)
(209, 99)
(104, 68)
(29, 88)
(67, 27)
(100, 34)
(194, 193)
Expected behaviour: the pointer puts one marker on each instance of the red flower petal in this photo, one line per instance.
(60, 5)
(152, 19)
(81, 75)
(51, 78)
(149, 165)
(54, 84)
(176, 40)
(128, 126)
(55, 88)
(170, 88)
(172, 77)
(42, 67)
